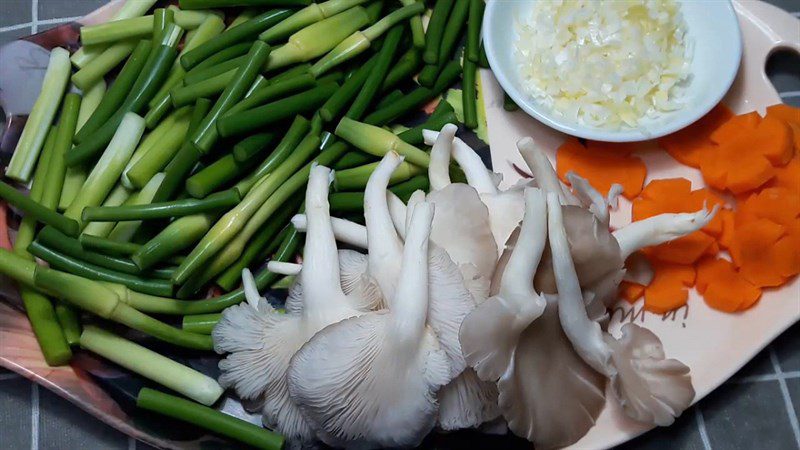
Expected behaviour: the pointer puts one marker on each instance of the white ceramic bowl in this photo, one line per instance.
(712, 29)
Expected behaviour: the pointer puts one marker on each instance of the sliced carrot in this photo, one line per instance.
(690, 144)
(601, 169)
(795, 136)
(754, 252)
(788, 176)
(775, 140)
(738, 165)
(631, 291)
(723, 288)
(685, 250)
(787, 255)
(668, 290)
(735, 126)
(728, 228)
(712, 249)
(777, 204)
(787, 113)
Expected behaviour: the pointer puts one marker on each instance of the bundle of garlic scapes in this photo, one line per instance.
(472, 306)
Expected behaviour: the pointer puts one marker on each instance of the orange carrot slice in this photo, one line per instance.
(690, 144)
(777, 204)
(788, 176)
(795, 136)
(775, 140)
(787, 113)
(668, 290)
(787, 255)
(723, 288)
(685, 250)
(738, 165)
(756, 251)
(631, 291)
(601, 169)
(728, 228)
(735, 126)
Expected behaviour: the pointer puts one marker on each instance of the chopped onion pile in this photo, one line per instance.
(605, 64)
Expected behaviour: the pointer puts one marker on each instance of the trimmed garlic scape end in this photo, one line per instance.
(372, 380)
(261, 341)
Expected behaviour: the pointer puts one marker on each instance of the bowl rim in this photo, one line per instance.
(526, 103)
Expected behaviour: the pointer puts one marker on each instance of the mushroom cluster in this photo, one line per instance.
(471, 306)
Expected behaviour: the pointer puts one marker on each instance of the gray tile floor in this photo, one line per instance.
(758, 408)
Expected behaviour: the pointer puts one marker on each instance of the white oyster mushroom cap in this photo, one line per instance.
(505, 208)
(371, 381)
(650, 387)
(489, 334)
(551, 397)
(466, 401)
(260, 341)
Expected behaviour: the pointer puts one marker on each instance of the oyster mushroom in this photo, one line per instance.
(261, 341)
(649, 386)
(547, 393)
(371, 381)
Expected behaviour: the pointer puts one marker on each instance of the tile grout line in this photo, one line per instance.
(34, 16)
(34, 416)
(701, 427)
(767, 377)
(54, 21)
(787, 399)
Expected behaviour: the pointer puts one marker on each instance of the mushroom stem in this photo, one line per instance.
(344, 230)
(403, 222)
(439, 169)
(320, 255)
(518, 275)
(586, 335)
(410, 306)
(385, 247)
(250, 289)
(478, 176)
(397, 209)
(284, 268)
(541, 168)
(659, 229)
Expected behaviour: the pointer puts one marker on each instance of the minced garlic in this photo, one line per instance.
(605, 63)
